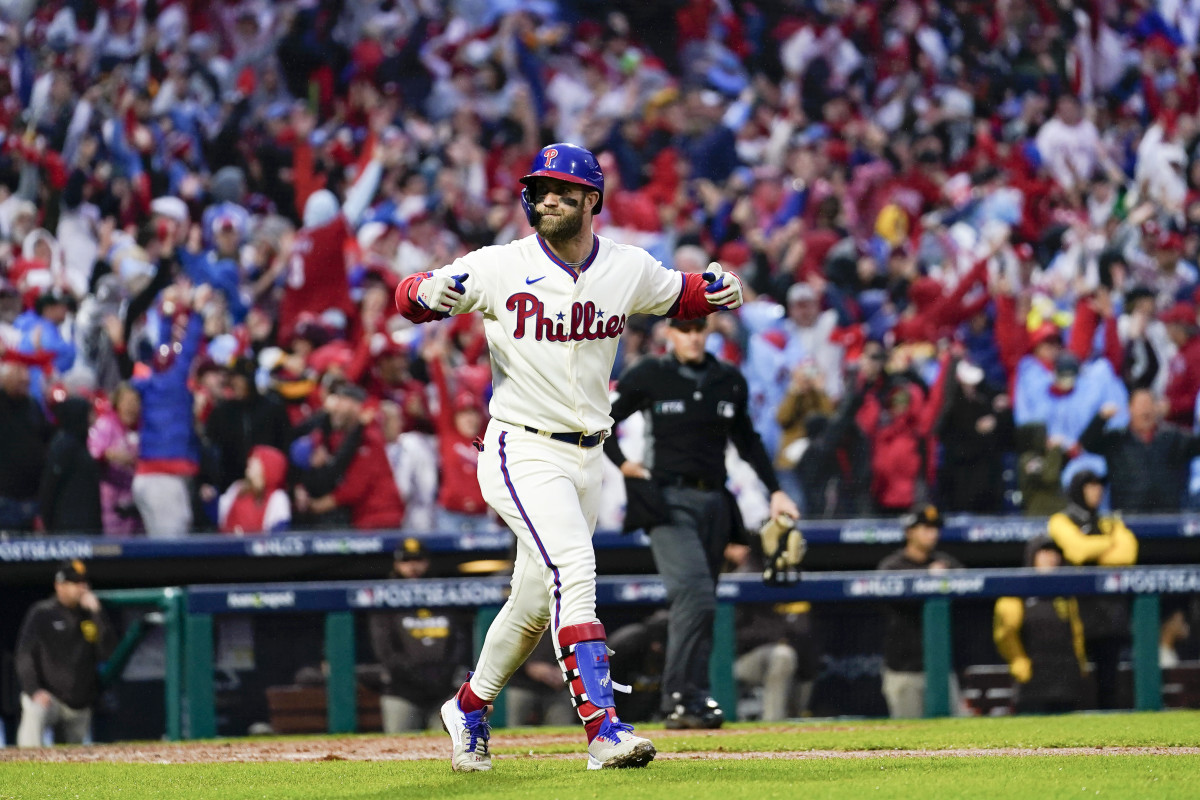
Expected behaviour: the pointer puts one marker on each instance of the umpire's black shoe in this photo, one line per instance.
(698, 714)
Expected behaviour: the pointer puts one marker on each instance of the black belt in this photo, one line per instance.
(684, 482)
(577, 438)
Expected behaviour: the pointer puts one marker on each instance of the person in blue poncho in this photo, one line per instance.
(170, 448)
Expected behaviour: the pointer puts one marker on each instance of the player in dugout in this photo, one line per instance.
(63, 640)
(554, 305)
(1041, 638)
(1086, 537)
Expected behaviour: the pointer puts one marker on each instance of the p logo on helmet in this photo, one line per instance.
(549, 154)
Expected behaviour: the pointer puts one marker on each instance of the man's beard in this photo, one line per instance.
(561, 228)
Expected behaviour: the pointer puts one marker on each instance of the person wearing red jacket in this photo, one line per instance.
(627, 208)
(459, 422)
(934, 313)
(892, 418)
(1184, 371)
(367, 488)
(316, 268)
(1092, 312)
(257, 503)
(381, 365)
(891, 422)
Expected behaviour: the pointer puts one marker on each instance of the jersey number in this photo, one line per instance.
(295, 272)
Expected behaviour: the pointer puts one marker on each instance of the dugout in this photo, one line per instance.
(274, 648)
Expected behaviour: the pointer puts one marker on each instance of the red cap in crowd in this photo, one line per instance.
(328, 356)
(1045, 332)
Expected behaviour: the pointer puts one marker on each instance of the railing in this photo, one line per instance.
(171, 605)
(963, 528)
(340, 600)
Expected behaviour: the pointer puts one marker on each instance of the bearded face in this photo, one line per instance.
(558, 209)
(559, 225)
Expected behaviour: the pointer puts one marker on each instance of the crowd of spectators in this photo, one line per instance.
(969, 230)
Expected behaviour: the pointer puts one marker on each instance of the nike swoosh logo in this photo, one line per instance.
(531, 281)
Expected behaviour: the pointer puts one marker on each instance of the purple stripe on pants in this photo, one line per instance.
(512, 491)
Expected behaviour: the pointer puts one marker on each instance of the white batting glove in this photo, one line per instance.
(441, 292)
(724, 288)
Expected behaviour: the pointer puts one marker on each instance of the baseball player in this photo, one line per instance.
(554, 305)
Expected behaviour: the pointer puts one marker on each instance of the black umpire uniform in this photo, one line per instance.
(694, 409)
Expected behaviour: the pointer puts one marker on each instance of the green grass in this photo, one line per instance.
(515, 778)
(992, 777)
(1161, 729)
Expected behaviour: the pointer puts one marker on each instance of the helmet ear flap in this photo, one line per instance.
(527, 204)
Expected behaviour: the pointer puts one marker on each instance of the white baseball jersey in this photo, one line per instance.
(553, 336)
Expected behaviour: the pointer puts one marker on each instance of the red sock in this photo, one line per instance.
(592, 726)
(468, 701)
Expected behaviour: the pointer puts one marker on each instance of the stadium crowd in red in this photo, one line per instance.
(970, 230)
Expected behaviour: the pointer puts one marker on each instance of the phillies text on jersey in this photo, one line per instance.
(586, 321)
(553, 330)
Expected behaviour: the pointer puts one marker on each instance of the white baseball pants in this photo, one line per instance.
(548, 493)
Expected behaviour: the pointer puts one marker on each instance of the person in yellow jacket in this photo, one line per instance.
(1088, 539)
(1041, 638)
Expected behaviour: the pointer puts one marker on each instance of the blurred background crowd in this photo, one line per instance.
(970, 231)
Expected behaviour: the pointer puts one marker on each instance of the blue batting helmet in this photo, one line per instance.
(567, 162)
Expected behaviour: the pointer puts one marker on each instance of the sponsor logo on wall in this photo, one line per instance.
(48, 550)
(882, 586)
(1017, 531)
(1150, 581)
(260, 599)
(347, 545)
(442, 593)
(276, 546)
(856, 533)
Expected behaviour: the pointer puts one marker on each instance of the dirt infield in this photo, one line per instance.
(412, 748)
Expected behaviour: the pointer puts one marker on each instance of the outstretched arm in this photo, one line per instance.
(359, 197)
(426, 296)
(704, 293)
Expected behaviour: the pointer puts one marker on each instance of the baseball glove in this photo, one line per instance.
(783, 549)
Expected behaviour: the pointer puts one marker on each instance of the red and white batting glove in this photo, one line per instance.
(724, 288)
(441, 293)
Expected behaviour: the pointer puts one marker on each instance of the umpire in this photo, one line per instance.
(695, 406)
